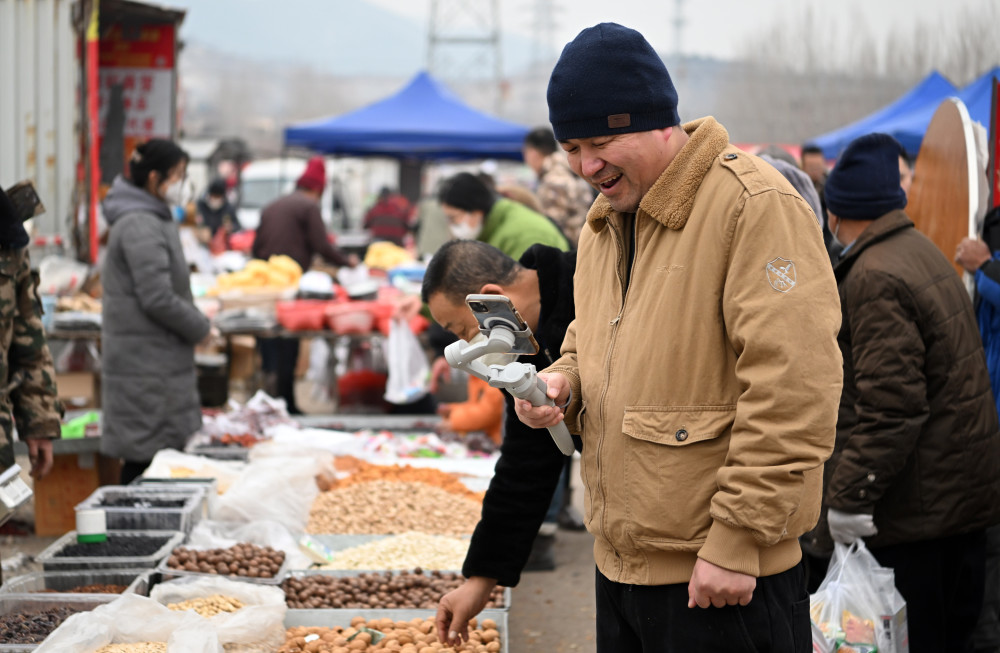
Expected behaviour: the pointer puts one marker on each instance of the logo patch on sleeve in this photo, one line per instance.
(781, 274)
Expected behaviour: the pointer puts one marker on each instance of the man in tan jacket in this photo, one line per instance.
(702, 370)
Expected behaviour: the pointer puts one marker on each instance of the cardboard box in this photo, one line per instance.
(79, 389)
(73, 478)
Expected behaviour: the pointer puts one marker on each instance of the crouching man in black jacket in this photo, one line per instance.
(526, 475)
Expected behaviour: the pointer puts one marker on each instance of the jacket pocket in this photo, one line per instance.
(671, 456)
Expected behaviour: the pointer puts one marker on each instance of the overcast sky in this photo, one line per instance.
(713, 27)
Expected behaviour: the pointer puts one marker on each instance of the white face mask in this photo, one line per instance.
(175, 194)
(463, 231)
(493, 359)
(216, 203)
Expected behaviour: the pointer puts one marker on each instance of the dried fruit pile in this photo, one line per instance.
(121, 546)
(32, 627)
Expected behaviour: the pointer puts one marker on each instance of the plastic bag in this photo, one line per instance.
(409, 371)
(133, 618)
(857, 608)
(280, 488)
(170, 463)
(210, 534)
(260, 624)
(60, 275)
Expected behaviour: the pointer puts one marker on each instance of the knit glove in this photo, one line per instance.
(846, 527)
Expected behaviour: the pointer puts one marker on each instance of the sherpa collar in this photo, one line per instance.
(671, 198)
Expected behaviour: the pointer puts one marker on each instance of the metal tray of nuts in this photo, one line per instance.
(169, 572)
(347, 573)
(330, 618)
(58, 583)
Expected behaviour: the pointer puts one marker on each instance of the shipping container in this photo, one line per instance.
(39, 110)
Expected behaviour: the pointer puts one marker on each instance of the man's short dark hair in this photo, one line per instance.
(467, 192)
(541, 139)
(809, 148)
(463, 267)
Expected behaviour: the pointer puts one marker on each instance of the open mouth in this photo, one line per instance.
(609, 183)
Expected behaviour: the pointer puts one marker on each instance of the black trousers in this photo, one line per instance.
(132, 470)
(656, 619)
(942, 582)
(280, 355)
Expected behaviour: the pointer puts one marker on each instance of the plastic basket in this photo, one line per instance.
(50, 562)
(302, 314)
(182, 518)
(21, 604)
(50, 583)
(351, 318)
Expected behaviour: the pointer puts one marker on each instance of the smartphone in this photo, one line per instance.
(498, 310)
(26, 202)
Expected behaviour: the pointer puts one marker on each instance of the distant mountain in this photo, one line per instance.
(337, 37)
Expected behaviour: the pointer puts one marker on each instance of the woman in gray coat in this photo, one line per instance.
(150, 323)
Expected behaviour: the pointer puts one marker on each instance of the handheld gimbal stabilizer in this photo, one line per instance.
(519, 379)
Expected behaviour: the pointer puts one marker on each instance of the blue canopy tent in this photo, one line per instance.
(977, 98)
(916, 106)
(424, 121)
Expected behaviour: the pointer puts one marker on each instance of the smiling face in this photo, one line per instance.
(622, 167)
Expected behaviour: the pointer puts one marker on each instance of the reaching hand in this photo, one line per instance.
(460, 605)
(440, 371)
(538, 417)
(712, 585)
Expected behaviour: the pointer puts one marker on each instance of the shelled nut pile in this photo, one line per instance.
(366, 472)
(414, 636)
(381, 507)
(241, 559)
(135, 647)
(408, 590)
(209, 606)
(404, 551)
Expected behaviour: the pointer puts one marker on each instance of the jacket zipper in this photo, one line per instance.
(604, 391)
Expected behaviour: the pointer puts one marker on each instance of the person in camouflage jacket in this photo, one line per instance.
(28, 398)
(564, 197)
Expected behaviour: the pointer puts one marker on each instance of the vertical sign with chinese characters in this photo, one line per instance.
(141, 60)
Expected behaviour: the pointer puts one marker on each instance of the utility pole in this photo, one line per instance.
(464, 44)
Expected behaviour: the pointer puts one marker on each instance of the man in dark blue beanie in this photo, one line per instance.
(701, 371)
(916, 468)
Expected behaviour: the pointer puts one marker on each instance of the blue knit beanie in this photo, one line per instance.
(609, 80)
(864, 185)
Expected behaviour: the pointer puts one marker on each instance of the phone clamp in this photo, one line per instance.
(519, 379)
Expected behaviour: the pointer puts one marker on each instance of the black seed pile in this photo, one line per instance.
(141, 502)
(31, 627)
(120, 546)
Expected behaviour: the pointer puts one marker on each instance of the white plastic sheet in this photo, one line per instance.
(260, 623)
(133, 618)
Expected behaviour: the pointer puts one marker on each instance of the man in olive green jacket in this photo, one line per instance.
(702, 370)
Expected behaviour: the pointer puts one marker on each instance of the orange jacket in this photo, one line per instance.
(482, 412)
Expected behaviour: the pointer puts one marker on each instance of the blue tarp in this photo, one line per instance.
(917, 105)
(977, 97)
(907, 118)
(423, 120)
